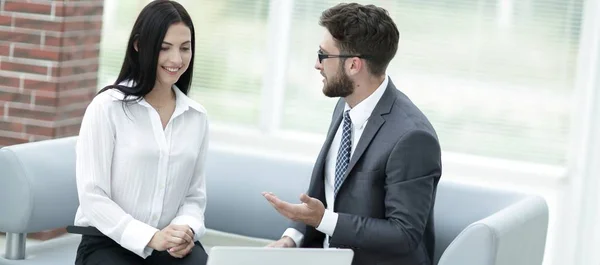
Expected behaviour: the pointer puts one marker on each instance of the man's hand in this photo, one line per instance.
(284, 242)
(170, 237)
(310, 211)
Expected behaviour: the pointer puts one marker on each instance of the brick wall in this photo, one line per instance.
(48, 69)
(48, 66)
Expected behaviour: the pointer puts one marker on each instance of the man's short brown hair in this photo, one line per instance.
(365, 30)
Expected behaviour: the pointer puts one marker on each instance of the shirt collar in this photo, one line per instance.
(186, 102)
(182, 101)
(362, 111)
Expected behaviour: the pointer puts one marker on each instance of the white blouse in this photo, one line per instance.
(133, 177)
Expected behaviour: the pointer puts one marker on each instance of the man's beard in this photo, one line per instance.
(340, 86)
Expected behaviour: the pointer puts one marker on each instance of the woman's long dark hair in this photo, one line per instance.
(148, 33)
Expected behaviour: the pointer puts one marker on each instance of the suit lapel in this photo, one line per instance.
(376, 120)
(318, 174)
(330, 135)
(373, 126)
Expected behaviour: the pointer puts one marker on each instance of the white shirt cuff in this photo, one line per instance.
(328, 223)
(295, 235)
(136, 237)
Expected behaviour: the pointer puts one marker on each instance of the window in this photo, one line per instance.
(229, 53)
(116, 26)
(495, 77)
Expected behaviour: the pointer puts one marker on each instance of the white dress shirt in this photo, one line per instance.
(133, 177)
(359, 115)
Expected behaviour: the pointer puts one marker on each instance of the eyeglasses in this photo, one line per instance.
(323, 56)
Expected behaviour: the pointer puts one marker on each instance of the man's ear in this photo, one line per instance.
(356, 65)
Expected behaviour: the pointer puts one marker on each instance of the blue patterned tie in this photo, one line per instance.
(343, 158)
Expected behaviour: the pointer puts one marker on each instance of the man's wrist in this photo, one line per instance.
(289, 241)
(319, 219)
(328, 223)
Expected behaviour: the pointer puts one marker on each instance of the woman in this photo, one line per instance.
(141, 152)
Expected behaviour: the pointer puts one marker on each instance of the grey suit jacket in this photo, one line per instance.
(385, 203)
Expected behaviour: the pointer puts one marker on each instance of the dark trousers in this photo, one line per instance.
(96, 250)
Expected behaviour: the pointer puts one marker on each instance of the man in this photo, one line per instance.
(374, 183)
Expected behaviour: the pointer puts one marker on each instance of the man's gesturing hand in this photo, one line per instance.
(310, 211)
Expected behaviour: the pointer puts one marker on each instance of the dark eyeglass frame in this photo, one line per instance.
(322, 56)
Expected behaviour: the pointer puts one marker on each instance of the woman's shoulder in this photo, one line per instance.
(106, 99)
(197, 106)
(190, 103)
(112, 93)
(109, 95)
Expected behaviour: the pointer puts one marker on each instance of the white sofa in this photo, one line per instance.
(474, 226)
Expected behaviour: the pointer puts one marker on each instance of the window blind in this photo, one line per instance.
(230, 47)
(495, 77)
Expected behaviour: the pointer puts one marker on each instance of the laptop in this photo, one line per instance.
(225, 255)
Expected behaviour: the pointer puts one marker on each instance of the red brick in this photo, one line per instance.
(93, 38)
(81, 54)
(39, 85)
(32, 8)
(9, 82)
(89, 68)
(74, 99)
(4, 50)
(77, 40)
(68, 42)
(57, 71)
(85, 34)
(89, 11)
(95, 25)
(62, 9)
(5, 20)
(10, 36)
(87, 40)
(95, 53)
(24, 68)
(38, 24)
(44, 100)
(15, 96)
(62, 71)
(36, 53)
(11, 126)
(75, 113)
(69, 130)
(90, 27)
(75, 26)
(52, 41)
(70, 9)
(31, 114)
(87, 84)
(39, 130)
(6, 141)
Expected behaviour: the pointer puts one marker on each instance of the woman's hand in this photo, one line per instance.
(172, 236)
